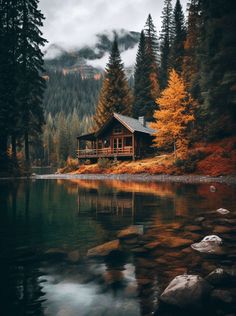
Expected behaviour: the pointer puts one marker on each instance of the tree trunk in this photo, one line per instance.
(3, 153)
(27, 155)
(175, 149)
(13, 143)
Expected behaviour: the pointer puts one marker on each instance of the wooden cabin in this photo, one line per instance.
(120, 137)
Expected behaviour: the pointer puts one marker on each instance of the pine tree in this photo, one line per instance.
(176, 112)
(190, 63)
(143, 100)
(166, 39)
(9, 112)
(218, 66)
(32, 85)
(179, 35)
(115, 94)
(152, 60)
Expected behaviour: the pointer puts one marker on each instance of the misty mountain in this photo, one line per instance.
(89, 60)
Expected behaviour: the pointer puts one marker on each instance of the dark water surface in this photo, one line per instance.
(47, 227)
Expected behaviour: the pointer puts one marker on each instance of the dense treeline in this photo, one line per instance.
(65, 93)
(21, 82)
(201, 50)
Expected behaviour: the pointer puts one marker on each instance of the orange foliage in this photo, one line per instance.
(221, 158)
(174, 116)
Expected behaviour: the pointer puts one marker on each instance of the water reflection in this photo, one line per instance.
(47, 227)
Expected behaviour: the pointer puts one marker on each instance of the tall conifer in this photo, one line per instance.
(166, 38)
(190, 63)
(32, 84)
(152, 60)
(115, 94)
(143, 100)
(179, 35)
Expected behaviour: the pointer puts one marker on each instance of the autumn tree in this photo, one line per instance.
(152, 48)
(174, 116)
(165, 41)
(143, 100)
(115, 95)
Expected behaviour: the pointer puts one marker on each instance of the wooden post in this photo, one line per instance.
(133, 146)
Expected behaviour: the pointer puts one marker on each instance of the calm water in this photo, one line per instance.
(47, 226)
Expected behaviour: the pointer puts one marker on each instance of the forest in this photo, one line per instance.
(184, 83)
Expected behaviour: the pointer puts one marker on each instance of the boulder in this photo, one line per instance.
(152, 245)
(186, 291)
(104, 249)
(209, 244)
(223, 296)
(131, 232)
(218, 277)
(175, 242)
(222, 211)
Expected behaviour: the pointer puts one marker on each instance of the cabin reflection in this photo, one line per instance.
(110, 202)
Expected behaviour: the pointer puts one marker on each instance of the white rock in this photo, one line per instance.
(213, 238)
(185, 291)
(222, 211)
(209, 244)
(212, 188)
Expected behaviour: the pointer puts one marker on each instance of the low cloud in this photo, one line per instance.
(75, 23)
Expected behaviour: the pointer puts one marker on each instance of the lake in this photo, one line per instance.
(47, 227)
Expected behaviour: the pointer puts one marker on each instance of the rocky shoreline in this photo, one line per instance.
(142, 178)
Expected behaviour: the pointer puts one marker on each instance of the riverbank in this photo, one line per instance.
(142, 178)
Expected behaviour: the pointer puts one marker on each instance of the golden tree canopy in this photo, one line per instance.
(175, 114)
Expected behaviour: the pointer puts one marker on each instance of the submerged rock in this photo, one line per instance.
(104, 249)
(186, 291)
(222, 211)
(131, 232)
(175, 242)
(218, 277)
(209, 244)
(223, 296)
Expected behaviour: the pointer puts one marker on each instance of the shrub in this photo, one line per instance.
(104, 163)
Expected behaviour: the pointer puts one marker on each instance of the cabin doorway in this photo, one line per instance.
(117, 144)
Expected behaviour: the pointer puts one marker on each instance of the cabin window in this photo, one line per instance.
(128, 141)
(100, 144)
(117, 130)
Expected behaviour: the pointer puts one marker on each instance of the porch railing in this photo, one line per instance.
(105, 152)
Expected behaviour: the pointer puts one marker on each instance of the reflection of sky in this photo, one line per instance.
(65, 297)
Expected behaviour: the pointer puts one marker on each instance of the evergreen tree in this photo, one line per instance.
(175, 113)
(143, 100)
(9, 112)
(152, 48)
(166, 39)
(218, 65)
(179, 35)
(32, 85)
(115, 94)
(190, 63)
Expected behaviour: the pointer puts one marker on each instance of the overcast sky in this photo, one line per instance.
(74, 23)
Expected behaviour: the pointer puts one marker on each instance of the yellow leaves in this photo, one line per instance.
(174, 115)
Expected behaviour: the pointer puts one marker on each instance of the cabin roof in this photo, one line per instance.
(132, 124)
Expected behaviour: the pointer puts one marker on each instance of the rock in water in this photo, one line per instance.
(209, 244)
(218, 277)
(104, 249)
(222, 211)
(186, 291)
(212, 188)
(130, 232)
